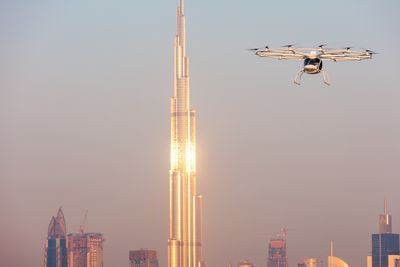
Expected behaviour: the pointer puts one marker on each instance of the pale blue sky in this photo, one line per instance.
(84, 123)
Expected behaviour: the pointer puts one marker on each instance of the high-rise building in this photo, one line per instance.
(55, 252)
(246, 263)
(335, 261)
(393, 261)
(85, 250)
(385, 243)
(277, 253)
(143, 258)
(185, 234)
(383, 246)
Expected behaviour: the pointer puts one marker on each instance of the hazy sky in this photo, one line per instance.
(84, 124)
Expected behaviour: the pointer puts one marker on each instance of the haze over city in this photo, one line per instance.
(85, 125)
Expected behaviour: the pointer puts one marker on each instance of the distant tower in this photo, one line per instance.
(277, 251)
(85, 250)
(143, 258)
(310, 262)
(384, 244)
(55, 253)
(335, 261)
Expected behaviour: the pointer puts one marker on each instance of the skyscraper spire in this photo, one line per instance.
(57, 228)
(385, 210)
(181, 6)
(385, 220)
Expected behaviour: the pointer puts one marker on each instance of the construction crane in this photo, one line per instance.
(83, 224)
(283, 234)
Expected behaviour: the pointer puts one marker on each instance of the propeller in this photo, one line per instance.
(371, 52)
(321, 46)
(288, 46)
(257, 49)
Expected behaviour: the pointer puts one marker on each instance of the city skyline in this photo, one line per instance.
(84, 125)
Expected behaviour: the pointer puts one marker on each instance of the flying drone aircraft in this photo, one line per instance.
(313, 57)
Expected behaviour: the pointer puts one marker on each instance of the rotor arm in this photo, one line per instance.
(345, 56)
(281, 55)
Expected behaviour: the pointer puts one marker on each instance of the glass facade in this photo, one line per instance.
(56, 255)
(51, 253)
(384, 245)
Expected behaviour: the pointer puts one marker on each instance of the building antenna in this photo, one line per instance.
(83, 225)
(181, 7)
(385, 209)
(332, 248)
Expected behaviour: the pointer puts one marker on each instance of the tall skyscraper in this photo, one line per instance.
(55, 252)
(143, 258)
(384, 244)
(277, 253)
(185, 241)
(85, 250)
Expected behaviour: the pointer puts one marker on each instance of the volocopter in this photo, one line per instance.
(313, 57)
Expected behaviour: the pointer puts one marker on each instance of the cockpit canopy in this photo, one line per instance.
(313, 61)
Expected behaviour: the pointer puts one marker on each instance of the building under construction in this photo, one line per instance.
(277, 252)
(143, 258)
(85, 250)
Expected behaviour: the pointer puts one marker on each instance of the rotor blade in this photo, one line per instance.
(253, 49)
(289, 45)
(371, 52)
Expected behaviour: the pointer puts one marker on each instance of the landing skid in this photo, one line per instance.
(299, 74)
(297, 78)
(326, 77)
